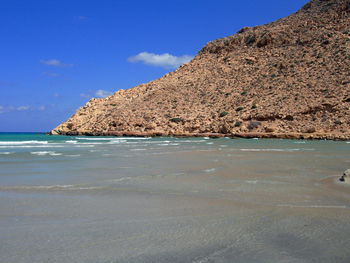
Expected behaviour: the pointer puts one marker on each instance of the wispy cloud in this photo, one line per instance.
(51, 74)
(41, 108)
(103, 93)
(163, 60)
(11, 108)
(55, 63)
(22, 108)
(97, 94)
(56, 95)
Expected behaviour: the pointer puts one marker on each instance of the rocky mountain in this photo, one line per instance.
(286, 79)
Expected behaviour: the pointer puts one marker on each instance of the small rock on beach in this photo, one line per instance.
(346, 176)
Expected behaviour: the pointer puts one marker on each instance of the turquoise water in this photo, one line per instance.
(109, 199)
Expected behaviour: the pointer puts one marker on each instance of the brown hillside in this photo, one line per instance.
(289, 78)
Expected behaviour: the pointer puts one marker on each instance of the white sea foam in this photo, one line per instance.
(113, 139)
(40, 153)
(194, 140)
(6, 153)
(92, 143)
(22, 142)
(55, 154)
(209, 170)
(43, 153)
(210, 143)
(31, 146)
(138, 150)
(116, 141)
(73, 142)
(73, 155)
(94, 139)
(252, 182)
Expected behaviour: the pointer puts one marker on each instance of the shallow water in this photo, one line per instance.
(105, 199)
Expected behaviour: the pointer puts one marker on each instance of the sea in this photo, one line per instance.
(83, 199)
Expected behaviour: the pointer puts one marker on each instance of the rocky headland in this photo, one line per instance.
(286, 79)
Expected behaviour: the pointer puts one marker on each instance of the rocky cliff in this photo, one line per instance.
(286, 79)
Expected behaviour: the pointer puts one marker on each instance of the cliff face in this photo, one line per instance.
(288, 77)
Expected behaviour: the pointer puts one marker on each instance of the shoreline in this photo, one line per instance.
(251, 135)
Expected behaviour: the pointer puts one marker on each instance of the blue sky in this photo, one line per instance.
(56, 54)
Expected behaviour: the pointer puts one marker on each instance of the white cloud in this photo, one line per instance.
(164, 60)
(55, 63)
(41, 108)
(56, 95)
(22, 108)
(103, 93)
(97, 94)
(11, 108)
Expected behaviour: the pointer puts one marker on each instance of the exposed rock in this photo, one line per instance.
(269, 129)
(291, 76)
(253, 125)
(346, 176)
(309, 130)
